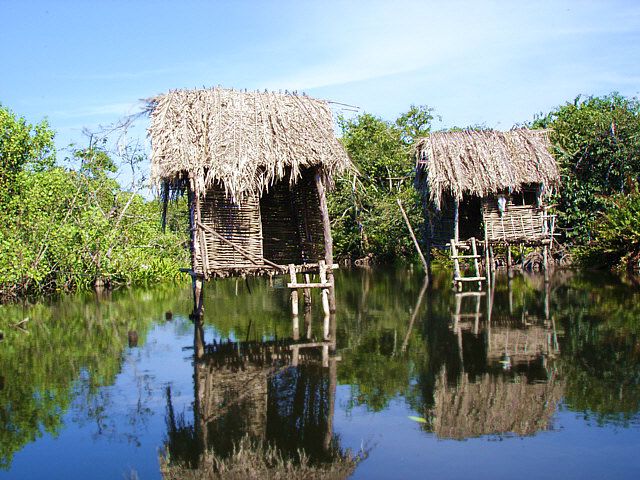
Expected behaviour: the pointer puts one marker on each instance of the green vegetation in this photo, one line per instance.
(597, 143)
(366, 217)
(64, 229)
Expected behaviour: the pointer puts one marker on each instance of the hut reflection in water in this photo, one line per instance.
(261, 407)
(518, 389)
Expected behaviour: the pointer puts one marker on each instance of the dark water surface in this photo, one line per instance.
(529, 380)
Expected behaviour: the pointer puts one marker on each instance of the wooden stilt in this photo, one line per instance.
(545, 262)
(476, 264)
(307, 323)
(326, 308)
(487, 268)
(294, 292)
(328, 239)
(509, 260)
(197, 283)
(456, 220)
(307, 293)
(457, 284)
(198, 338)
(492, 260)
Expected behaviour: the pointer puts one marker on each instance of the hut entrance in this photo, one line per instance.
(470, 217)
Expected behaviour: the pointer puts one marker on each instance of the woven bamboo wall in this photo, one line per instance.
(291, 222)
(284, 226)
(238, 223)
(519, 223)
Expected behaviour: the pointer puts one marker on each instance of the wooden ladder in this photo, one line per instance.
(458, 279)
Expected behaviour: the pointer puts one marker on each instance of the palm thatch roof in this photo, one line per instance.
(483, 162)
(242, 140)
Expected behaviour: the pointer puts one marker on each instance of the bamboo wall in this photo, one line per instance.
(519, 223)
(283, 226)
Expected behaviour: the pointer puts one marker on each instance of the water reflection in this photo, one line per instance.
(108, 376)
(260, 408)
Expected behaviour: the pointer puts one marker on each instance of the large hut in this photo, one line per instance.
(487, 184)
(255, 166)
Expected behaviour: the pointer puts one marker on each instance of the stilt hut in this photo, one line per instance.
(487, 184)
(255, 166)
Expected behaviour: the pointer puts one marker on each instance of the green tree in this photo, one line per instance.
(597, 143)
(22, 146)
(367, 220)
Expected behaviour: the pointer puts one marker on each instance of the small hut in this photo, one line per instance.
(487, 184)
(255, 166)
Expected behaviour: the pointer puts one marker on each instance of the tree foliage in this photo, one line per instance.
(64, 229)
(597, 143)
(367, 220)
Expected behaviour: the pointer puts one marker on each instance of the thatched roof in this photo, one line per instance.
(241, 140)
(484, 162)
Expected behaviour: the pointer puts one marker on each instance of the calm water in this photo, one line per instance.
(530, 380)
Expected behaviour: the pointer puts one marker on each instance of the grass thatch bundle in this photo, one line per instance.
(244, 141)
(493, 405)
(484, 162)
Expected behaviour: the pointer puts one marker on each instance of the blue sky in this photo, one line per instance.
(85, 63)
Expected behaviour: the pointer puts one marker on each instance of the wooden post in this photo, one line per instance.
(457, 284)
(508, 260)
(456, 219)
(294, 291)
(307, 293)
(492, 259)
(413, 237)
(197, 284)
(198, 338)
(326, 307)
(474, 251)
(307, 323)
(487, 268)
(328, 239)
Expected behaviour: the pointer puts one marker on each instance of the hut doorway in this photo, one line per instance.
(470, 217)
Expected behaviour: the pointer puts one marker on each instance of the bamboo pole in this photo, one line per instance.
(328, 239)
(456, 220)
(413, 237)
(294, 297)
(240, 250)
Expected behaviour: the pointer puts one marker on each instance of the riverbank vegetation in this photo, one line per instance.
(65, 228)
